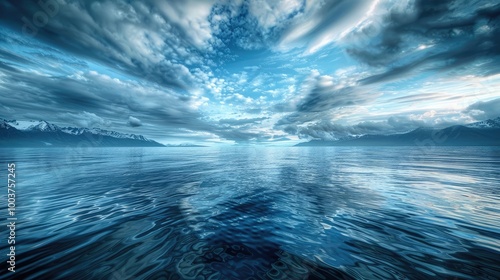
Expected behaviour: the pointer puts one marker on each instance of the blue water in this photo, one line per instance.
(255, 213)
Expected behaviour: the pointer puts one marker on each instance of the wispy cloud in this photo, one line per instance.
(240, 71)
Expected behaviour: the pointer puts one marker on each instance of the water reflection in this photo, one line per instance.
(257, 213)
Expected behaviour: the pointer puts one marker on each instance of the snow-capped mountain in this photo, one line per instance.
(33, 125)
(98, 131)
(5, 125)
(485, 133)
(42, 133)
(491, 123)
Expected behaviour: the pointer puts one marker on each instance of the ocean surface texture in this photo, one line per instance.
(255, 213)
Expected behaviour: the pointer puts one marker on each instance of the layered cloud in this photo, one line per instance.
(410, 42)
(324, 23)
(440, 35)
(151, 41)
(485, 109)
(84, 119)
(240, 71)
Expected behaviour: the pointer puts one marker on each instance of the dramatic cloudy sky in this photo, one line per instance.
(270, 72)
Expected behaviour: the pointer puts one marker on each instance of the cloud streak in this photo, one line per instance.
(251, 71)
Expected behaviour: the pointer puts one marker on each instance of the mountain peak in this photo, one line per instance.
(422, 129)
(27, 133)
(44, 126)
(5, 124)
(32, 125)
(99, 131)
(485, 133)
(491, 123)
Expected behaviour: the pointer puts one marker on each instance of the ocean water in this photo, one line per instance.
(255, 213)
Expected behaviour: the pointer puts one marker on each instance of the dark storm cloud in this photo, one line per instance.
(438, 35)
(37, 90)
(327, 130)
(426, 36)
(325, 95)
(139, 38)
(482, 110)
(108, 98)
(392, 74)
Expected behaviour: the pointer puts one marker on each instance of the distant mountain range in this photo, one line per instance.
(43, 134)
(485, 133)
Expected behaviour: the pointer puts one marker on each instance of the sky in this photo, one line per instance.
(250, 72)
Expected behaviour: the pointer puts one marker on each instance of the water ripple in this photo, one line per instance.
(257, 213)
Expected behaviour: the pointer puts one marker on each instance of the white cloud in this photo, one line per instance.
(324, 23)
(271, 13)
(191, 16)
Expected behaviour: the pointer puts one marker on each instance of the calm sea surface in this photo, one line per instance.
(255, 213)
